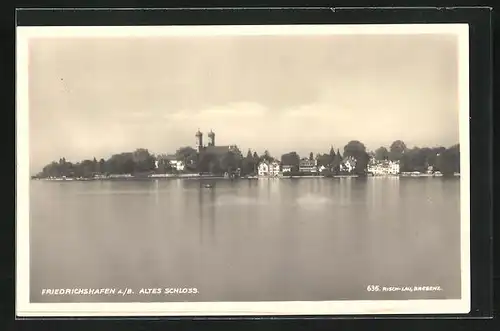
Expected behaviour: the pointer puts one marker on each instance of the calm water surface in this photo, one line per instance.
(290, 239)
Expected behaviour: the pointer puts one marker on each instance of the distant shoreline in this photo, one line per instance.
(195, 177)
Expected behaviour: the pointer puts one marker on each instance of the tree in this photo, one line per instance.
(143, 161)
(332, 152)
(161, 169)
(236, 151)
(51, 170)
(448, 162)
(311, 156)
(122, 163)
(397, 149)
(229, 162)
(418, 159)
(67, 168)
(331, 156)
(454, 153)
(362, 161)
(408, 160)
(214, 167)
(354, 148)
(323, 160)
(381, 154)
(427, 154)
(186, 154)
(87, 168)
(357, 151)
(102, 166)
(433, 155)
(267, 157)
(290, 159)
(189, 156)
(204, 162)
(248, 165)
(336, 162)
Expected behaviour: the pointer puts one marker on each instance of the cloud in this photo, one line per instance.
(237, 110)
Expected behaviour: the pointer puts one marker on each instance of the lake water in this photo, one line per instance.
(246, 240)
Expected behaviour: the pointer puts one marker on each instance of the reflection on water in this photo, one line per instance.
(247, 240)
(206, 208)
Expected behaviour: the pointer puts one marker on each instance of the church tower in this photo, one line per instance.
(199, 141)
(211, 138)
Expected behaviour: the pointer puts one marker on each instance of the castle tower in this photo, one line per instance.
(199, 140)
(211, 138)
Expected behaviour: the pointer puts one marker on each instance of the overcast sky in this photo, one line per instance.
(96, 97)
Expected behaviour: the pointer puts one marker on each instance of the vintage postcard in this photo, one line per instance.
(243, 170)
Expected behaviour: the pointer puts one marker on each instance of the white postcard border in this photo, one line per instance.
(25, 309)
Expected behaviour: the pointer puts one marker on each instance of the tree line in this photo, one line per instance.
(141, 161)
(445, 160)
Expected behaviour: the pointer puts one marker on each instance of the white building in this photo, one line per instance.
(394, 167)
(348, 164)
(177, 165)
(322, 168)
(306, 165)
(384, 168)
(170, 160)
(269, 169)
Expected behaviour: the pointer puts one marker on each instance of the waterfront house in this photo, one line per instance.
(177, 165)
(348, 164)
(274, 169)
(263, 169)
(172, 161)
(383, 168)
(287, 168)
(307, 165)
(268, 169)
(394, 167)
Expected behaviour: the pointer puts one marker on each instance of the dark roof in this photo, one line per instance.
(307, 163)
(217, 150)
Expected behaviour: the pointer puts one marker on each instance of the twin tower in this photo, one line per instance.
(199, 139)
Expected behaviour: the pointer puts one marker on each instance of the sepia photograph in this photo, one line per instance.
(242, 170)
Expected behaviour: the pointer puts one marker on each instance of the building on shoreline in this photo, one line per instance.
(269, 169)
(383, 168)
(307, 165)
(211, 148)
(287, 168)
(170, 160)
(348, 164)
